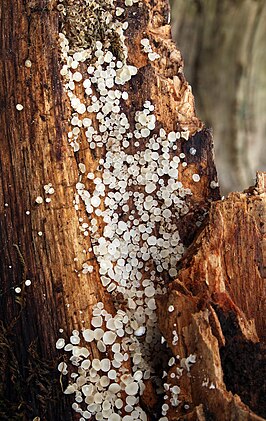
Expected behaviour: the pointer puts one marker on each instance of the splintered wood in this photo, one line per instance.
(219, 313)
(106, 177)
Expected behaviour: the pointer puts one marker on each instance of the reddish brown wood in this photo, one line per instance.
(35, 151)
(219, 301)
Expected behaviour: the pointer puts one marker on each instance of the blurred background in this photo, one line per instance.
(223, 43)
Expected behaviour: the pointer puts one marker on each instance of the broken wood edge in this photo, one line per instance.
(209, 321)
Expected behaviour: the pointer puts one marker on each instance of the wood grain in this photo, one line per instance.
(219, 300)
(34, 152)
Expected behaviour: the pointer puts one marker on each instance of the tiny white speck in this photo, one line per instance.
(95, 201)
(140, 331)
(132, 389)
(196, 178)
(19, 107)
(70, 389)
(28, 63)
(60, 343)
(171, 361)
(28, 282)
(17, 290)
(214, 184)
(109, 338)
(77, 76)
(119, 11)
(153, 56)
(39, 200)
(145, 42)
(82, 168)
(62, 367)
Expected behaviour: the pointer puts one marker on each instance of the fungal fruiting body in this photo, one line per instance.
(137, 195)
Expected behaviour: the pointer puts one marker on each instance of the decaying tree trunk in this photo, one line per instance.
(217, 306)
(106, 177)
(222, 43)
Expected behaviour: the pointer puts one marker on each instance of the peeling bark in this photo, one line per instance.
(219, 307)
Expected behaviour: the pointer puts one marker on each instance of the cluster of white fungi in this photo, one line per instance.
(137, 195)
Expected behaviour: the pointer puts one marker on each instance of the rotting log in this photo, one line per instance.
(51, 268)
(217, 306)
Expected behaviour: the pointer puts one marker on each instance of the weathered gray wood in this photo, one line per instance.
(222, 43)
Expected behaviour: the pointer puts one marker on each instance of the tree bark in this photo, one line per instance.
(53, 242)
(222, 44)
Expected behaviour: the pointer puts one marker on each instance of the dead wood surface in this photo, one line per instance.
(219, 311)
(34, 152)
